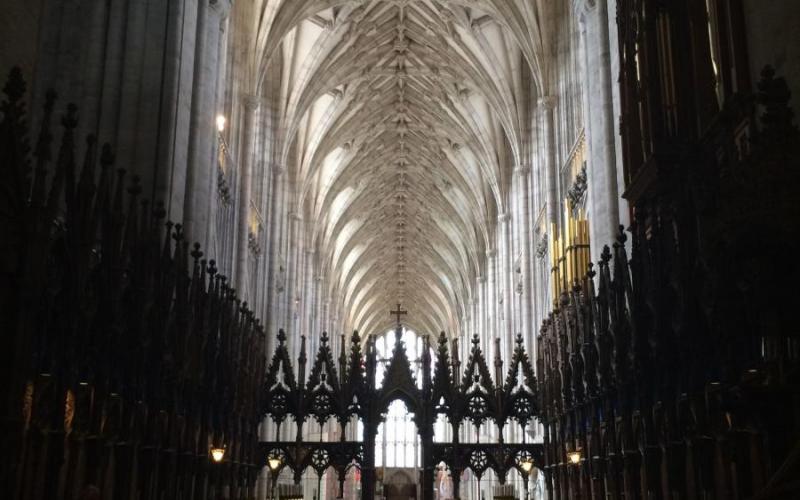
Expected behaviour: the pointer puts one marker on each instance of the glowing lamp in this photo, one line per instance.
(274, 463)
(574, 457)
(217, 454)
(527, 465)
(221, 123)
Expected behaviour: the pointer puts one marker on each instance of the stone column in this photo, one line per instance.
(130, 66)
(250, 103)
(505, 326)
(588, 81)
(308, 295)
(94, 50)
(487, 343)
(600, 124)
(325, 319)
(491, 299)
(175, 106)
(553, 205)
(527, 266)
(515, 252)
(216, 243)
(265, 284)
(315, 319)
(293, 268)
(202, 133)
(127, 121)
(333, 319)
(475, 324)
(482, 308)
(274, 249)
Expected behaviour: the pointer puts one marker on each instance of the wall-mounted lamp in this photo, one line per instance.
(526, 464)
(221, 123)
(274, 463)
(574, 457)
(217, 454)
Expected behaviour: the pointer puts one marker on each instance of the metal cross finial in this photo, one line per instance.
(398, 312)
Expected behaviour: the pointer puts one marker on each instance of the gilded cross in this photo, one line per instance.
(398, 312)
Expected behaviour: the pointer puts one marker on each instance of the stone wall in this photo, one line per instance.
(773, 38)
(19, 29)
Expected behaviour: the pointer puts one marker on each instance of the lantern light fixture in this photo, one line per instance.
(221, 123)
(217, 454)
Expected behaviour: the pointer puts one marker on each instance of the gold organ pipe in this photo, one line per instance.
(570, 253)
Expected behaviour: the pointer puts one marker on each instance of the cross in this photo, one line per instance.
(399, 312)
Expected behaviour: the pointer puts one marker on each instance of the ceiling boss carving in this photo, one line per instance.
(415, 104)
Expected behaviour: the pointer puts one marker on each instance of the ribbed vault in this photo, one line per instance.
(400, 123)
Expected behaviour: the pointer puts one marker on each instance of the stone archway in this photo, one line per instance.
(399, 384)
(398, 485)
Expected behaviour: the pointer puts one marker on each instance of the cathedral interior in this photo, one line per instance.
(399, 249)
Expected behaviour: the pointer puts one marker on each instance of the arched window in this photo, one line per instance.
(397, 443)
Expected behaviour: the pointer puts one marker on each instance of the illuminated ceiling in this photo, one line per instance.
(400, 124)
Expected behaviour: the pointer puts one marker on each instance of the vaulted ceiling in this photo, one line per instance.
(400, 124)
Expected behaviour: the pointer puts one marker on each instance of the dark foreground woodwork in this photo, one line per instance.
(126, 356)
(675, 374)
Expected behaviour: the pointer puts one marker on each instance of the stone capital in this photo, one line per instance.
(581, 7)
(504, 217)
(480, 279)
(222, 7)
(523, 169)
(547, 103)
(251, 102)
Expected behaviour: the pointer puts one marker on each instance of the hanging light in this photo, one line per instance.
(221, 123)
(217, 454)
(574, 457)
(527, 465)
(274, 462)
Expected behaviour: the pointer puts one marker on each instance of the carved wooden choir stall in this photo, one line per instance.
(129, 368)
(675, 374)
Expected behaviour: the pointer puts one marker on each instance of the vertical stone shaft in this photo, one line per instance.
(250, 103)
(546, 106)
(200, 169)
(523, 174)
(599, 124)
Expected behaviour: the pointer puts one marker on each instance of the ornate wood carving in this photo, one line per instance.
(478, 398)
(653, 367)
(127, 355)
